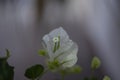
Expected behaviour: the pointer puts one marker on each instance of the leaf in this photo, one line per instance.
(95, 63)
(34, 71)
(6, 71)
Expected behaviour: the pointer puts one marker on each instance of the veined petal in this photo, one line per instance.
(70, 56)
(64, 40)
(70, 61)
(59, 32)
(48, 44)
(64, 48)
(66, 53)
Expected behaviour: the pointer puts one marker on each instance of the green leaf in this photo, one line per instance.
(6, 71)
(42, 52)
(106, 78)
(34, 71)
(95, 63)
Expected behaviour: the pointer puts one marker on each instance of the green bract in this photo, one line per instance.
(60, 48)
(95, 63)
(106, 78)
(53, 65)
(42, 52)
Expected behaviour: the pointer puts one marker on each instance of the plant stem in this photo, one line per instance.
(63, 77)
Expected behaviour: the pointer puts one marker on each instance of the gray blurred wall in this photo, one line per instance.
(93, 24)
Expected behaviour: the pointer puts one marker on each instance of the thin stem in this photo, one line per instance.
(63, 76)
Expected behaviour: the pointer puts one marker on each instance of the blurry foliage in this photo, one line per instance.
(95, 63)
(6, 71)
(106, 78)
(36, 71)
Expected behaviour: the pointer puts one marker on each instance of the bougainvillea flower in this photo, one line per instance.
(60, 48)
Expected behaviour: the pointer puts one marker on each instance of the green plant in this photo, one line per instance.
(6, 71)
(61, 57)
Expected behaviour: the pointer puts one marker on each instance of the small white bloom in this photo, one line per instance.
(61, 48)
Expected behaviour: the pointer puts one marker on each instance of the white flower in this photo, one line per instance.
(59, 47)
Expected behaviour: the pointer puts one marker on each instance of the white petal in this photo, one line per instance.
(72, 60)
(48, 39)
(64, 48)
(59, 32)
(48, 44)
(70, 56)
(67, 51)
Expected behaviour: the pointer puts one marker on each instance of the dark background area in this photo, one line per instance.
(93, 24)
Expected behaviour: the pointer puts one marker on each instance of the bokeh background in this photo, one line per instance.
(93, 24)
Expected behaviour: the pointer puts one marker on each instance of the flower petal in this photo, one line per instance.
(48, 43)
(59, 32)
(48, 39)
(70, 56)
(64, 48)
(72, 59)
(67, 52)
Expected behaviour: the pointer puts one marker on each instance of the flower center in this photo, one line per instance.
(56, 41)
